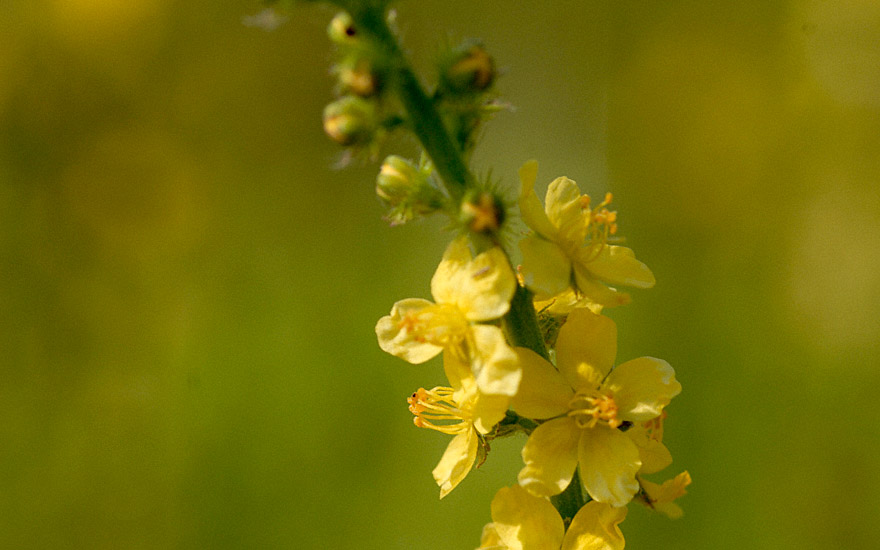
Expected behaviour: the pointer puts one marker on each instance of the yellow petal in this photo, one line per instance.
(526, 522)
(563, 207)
(546, 270)
(550, 456)
(395, 338)
(481, 287)
(490, 540)
(662, 496)
(642, 387)
(563, 304)
(456, 462)
(585, 348)
(530, 208)
(654, 455)
(494, 363)
(595, 527)
(489, 410)
(608, 461)
(597, 291)
(617, 265)
(543, 393)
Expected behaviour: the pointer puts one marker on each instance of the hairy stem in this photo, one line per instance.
(426, 121)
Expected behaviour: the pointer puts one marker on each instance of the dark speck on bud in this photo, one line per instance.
(342, 30)
(482, 212)
(350, 120)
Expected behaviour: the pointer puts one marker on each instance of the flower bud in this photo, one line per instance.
(468, 69)
(406, 190)
(350, 120)
(342, 30)
(482, 211)
(358, 77)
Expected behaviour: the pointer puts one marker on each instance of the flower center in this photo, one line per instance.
(437, 410)
(589, 409)
(601, 224)
(439, 324)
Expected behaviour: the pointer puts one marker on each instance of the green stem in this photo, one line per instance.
(426, 121)
(520, 323)
(569, 501)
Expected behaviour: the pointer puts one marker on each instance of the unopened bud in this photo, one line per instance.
(350, 120)
(469, 69)
(342, 30)
(359, 78)
(406, 189)
(482, 212)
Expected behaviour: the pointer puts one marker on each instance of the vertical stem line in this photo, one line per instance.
(426, 121)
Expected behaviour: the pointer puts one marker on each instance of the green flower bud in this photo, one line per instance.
(406, 189)
(482, 211)
(350, 120)
(467, 69)
(342, 30)
(358, 77)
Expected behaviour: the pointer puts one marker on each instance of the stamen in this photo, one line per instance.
(588, 410)
(601, 224)
(438, 405)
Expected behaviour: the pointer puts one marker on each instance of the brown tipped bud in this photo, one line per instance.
(482, 212)
(350, 120)
(359, 78)
(342, 30)
(470, 69)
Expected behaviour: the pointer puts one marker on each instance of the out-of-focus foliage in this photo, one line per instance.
(189, 289)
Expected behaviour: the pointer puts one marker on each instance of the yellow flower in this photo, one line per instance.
(570, 245)
(662, 497)
(467, 291)
(586, 401)
(648, 437)
(465, 413)
(521, 521)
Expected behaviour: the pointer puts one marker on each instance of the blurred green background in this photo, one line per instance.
(189, 287)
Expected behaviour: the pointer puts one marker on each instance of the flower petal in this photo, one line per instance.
(563, 207)
(617, 265)
(456, 462)
(662, 497)
(654, 455)
(642, 387)
(543, 392)
(490, 540)
(485, 291)
(596, 291)
(595, 527)
(550, 455)
(530, 208)
(494, 363)
(526, 522)
(608, 462)
(481, 287)
(585, 348)
(396, 339)
(546, 270)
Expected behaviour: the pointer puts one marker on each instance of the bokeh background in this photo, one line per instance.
(189, 287)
